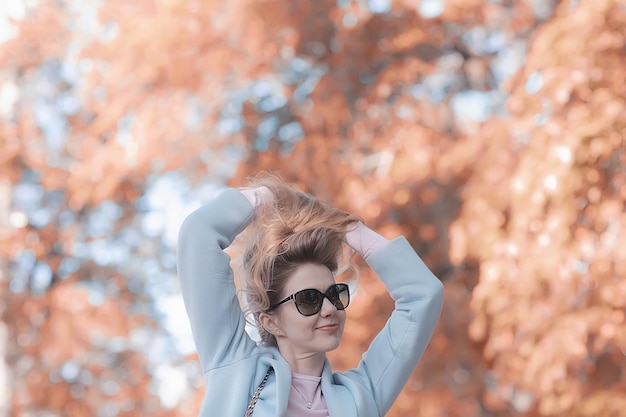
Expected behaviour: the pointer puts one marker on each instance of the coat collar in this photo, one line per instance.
(329, 390)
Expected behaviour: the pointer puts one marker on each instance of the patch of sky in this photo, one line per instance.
(230, 125)
(418, 91)
(350, 20)
(67, 103)
(166, 202)
(171, 384)
(534, 83)
(53, 124)
(306, 87)
(162, 188)
(508, 60)
(174, 320)
(379, 6)
(86, 377)
(39, 218)
(267, 127)
(234, 105)
(231, 120)
(66, 218)
(67, 267)
(41, 278)
(263, 88)
(272, 102)
(195, 113)
(482, 41)
(296, 71)
(450, 62)
(87, 65)
(70, 371)
(50, 76)
(10, 10)
(542, 118)
(152, 223)
(124, 125)
(522, 401)
(116, 344)
(291, 132)
(28, 196)
(434, 87)
(139, 337)
(52, 104)
(108, 409)
(21, 270)
(261, 143)
(160, 348)
(157, 282)
(430, 9)
(367, 78)
(473, 105)
(110, 387)
(9, 96)
(226, 164)
(87, 20)
(70, 70)
(109, 31)
(543, 9)
(106, 252)
(316, 48)
(404, 112)
(96, 292)
(101, 221)
(232, 153)
(168, 259)
(134, 284)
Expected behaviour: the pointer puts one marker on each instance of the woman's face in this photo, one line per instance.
(305, 335)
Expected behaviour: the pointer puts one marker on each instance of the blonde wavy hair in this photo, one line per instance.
(291, 229)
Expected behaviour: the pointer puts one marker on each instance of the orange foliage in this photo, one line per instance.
(521, 216)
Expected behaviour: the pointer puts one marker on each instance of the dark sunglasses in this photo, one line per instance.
(309, 301)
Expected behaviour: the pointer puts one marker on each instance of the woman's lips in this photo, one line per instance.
(328, 328)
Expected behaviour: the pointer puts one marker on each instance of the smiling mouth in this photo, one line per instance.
(328, 327)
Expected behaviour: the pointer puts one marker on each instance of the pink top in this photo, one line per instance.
(306, 398)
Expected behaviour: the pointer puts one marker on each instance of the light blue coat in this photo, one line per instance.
(234, 365)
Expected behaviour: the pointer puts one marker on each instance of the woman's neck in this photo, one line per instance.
(311, 364)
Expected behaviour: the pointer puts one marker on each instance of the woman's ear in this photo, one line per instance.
(270, 323)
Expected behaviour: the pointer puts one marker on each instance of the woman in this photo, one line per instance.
(293, 251)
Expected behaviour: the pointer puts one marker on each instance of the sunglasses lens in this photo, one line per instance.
(339, 295)
(308, 302)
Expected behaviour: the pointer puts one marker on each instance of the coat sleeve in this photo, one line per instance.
(395, 351)
(206, 279)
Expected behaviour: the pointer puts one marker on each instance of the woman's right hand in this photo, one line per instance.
(258, 195)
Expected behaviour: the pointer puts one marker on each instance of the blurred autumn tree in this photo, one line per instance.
(491, 134)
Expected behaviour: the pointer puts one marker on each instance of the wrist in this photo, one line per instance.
(257, 196)
(364, 240)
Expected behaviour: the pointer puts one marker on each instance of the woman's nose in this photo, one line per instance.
(328, 308)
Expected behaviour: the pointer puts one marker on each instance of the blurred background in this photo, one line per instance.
(491, 133)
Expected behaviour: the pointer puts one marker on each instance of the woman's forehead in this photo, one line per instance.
(309, 276)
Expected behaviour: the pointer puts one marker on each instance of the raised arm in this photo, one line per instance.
(418, 295)
(206, 278)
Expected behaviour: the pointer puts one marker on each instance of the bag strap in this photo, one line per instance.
(257, 394)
